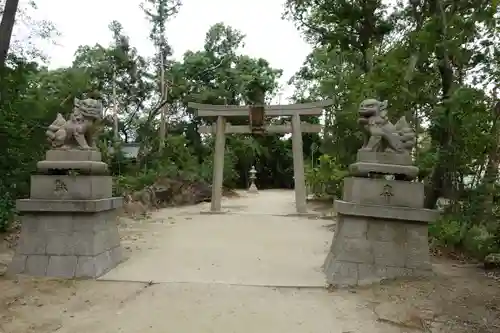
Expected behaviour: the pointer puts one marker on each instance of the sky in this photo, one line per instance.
(267, 35)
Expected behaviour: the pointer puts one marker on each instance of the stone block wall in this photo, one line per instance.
(366, 250)
(68, 245)
(381, 233)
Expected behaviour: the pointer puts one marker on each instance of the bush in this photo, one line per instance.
(479, 242)
(21, 134)
(446, 231)
(177, 161)
(461, 228)
(230, 173)
(7, 205)
(326, 179)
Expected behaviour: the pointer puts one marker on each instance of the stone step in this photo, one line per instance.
(80, 167)
(73, 155)
(414, 215)
(364, 169)
(68, 206)
(384, 157)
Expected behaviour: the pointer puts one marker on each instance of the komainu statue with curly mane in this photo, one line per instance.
(382, 208)
(78, 131)
(383, 135)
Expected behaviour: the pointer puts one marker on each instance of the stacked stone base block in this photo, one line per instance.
(374, 242)
(67, 244)
(253, 188)
(68, 267)
(83, 161)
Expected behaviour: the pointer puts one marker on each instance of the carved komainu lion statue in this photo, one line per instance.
(383, 135)
(78, 131)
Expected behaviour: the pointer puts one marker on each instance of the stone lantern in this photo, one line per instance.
(253, 187)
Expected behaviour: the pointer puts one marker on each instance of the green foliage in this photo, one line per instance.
(455, 233)
(159, 12)
(479, 242)
(438, 64)
(31, 97)
(7, 206)
(175, 161)
(230, 174)
(22, 138)
(326, 178)
(447, 232)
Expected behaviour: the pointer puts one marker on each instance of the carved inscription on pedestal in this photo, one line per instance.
(387, 193)
(60, 187)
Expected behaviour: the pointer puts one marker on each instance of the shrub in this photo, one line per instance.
(326, 179)
(479, 242)
(7, 205)
(446, 231)
(177, 161)
(461, 228)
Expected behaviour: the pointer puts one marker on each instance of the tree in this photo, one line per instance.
(122, 66)
(437, 63)
(6, 27)
(38, 30)
(159, 12)
(218, 74)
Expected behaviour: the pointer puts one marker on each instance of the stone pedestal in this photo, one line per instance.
(382, 227)
(253, 188)
(68, 225)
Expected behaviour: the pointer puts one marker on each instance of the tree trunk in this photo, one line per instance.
(163, 92)
(442, 135)
(6, 27)
(443, 140)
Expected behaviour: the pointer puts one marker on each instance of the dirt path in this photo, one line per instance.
(253, 269)
(252, 245)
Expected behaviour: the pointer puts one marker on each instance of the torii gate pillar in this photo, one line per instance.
(298, 166)
(218, 167)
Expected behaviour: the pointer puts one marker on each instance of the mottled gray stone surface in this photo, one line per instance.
(376, 242)
(368, 191)
(385, 212)
(383, 135)
(67, 245)
(73, 155)
(78, 131)
(69, 206)
(66, 266)
(65, 187)
(384, 158)
(368, 250)
(87, 167)
(364, 169)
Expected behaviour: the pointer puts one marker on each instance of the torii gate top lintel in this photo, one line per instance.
(310, 109)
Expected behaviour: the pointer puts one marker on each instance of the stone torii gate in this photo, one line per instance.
(257, 125)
